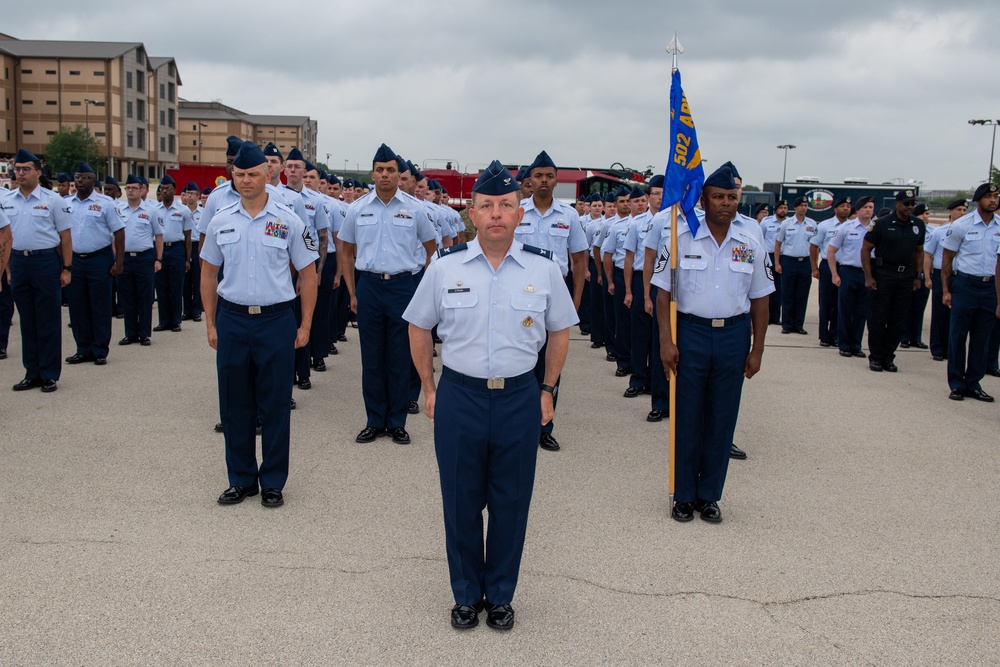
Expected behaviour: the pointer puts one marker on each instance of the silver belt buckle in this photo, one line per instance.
(254, 310)
(900, 269)
(26, 253)
(494, 383)
(386, 276)
(718, 324)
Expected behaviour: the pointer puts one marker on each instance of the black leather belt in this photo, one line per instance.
(488, 383)
(85, 255)
(170, 244)
(255, 310)
(792, 258)
(138, 253)
(387, 276)
(895, 268)
(29, 253)
(975, 279)
(717, 323)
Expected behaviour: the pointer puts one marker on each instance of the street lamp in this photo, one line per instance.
(200, 125)
(786, 148)
(994, 123)
(86, 115)
(345, 167)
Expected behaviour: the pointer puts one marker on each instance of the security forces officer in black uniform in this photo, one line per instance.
(892, 276)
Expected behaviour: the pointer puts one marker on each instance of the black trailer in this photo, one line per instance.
(822, 195)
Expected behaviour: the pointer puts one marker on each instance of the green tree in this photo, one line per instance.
(751, 188)
(995, 176)
(69, 146)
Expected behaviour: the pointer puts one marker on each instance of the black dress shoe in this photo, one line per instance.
(875, 366)
(144, 341)
(737, 453)
(845, 353)
(235, 494)
(218, 427)
(160, 327)
(27, 383)
(991, 372)
(176, 328)
(655, 416)
(412, 408)
(594, 346)
(631, 392)
(622, 372)
(889, 367)
(977, 394)
(100, 361)
(400, 436)
(824, 343)
(682, 512)
(858, 353)
(304, 383)
(79, 358)
(3, 353)
(905, 346)
(786, 331)
(369, 433)
(611, 356)
(333, 349)
(128, 340)
(499, 616)
(709, 511)
(802, 332)
(549, 443)
(341, 338)
(920, 345)
(49, 386)
(293, 405)
(957, 395)
(271, 498)
(465, 617)
(185, 318)
(584, 332)
(319, 365)
(938, 357)
(196, 318)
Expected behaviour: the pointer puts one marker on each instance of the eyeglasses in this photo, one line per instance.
(23, 170)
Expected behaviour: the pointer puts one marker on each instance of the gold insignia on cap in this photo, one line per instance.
(909, 193)
(529, 288)
(528, 321)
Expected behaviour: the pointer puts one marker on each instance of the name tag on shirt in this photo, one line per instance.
(458, 290)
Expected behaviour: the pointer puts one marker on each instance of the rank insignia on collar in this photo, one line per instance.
(528, 321)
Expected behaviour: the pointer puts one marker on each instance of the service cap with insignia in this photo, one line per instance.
(760, 208)
(800, 201)
(983, 190)
(271, 150)
(864, 201)
(919, 209)
(842, 200)
(495, 180)
(906, 196)
(955, 204)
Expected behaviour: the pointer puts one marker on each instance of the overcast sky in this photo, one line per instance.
(881, 89)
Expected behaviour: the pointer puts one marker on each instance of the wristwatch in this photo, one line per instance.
(549, 388)
(160, 260)
(68, 267)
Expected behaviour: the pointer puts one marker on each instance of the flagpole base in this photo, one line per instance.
(670, 502)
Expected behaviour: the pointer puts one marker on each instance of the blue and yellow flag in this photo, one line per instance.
(684, 175)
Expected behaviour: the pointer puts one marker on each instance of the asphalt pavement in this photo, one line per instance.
(863, 528)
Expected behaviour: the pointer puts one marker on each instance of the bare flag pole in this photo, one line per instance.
(674, 48)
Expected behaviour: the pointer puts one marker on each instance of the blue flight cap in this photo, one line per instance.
(206, 191)
(133, 180)
(25, 156)
(401, 163)
(384, 154)
(168, 180)
(322, 174)
(732, 167)
(656, 181)
(722, 178)
(191, 187)
(609, 197)
(84, 168)
(622, 191)
(295, 154)
(496, 179)
(636, 193)
(143, 181)
(419, 175)
(63, 177)
(250, 155)
(348, 183)
(233, 144)
(332, 179)
(310, 166)
(543, 160)
(271, 150)
(413, 169)
(519, 176)
(110, 180)
(434, 185)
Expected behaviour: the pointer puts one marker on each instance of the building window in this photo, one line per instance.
(128, 109)
(128, 139)
(171, 143)
(163, 118)
(142, 139)
(74, 72)
(140, 81)
(98, 72)
(163, 144)
(170, 118)
(77, 103)
(27, 102)
(170, 69)
(194, 158)
(194, 128)
(194, 142)
(171, 90)
(29, 131)
(51, 103)
(51, 133)
(139, 57)
(140, 110)
(26, 71)
(50, 71)
(128, 80)
(163, 91)
(98, 134)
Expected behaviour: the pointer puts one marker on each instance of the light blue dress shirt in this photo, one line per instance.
(95, 221)
(36, 220)
(385, 234)
(932, 243)
(975, 243)
(614, 241)
(795, 236)
(141, 227)
(635, 240)
(559, 230)
(824, 234)
(174, 220)
(847, 241)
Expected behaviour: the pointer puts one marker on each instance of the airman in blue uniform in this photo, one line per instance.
(843, 256)
(968, 279)
(821, 270)
(41, 264)
(933, 255)
(769, 226)
(495, 303)
(640, 302)
(6, 300)
(143, 245)
(176, 223)
(249, 321)
(613, 257)
(724, 281)
(378, 237)
(791, 261)
(192, 279)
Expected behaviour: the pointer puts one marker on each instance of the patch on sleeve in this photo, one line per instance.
(662, 260)
(768, 268)
(308, 239)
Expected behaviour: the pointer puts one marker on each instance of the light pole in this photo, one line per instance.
(786, 148)
(200, 125)
(345, 167)
(86, 115)
(994, 123)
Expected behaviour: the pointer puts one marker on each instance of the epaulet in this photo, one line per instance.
(547, 254)
(449, 250)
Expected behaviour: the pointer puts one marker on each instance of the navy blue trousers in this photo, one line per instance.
(341, 310)
(852, 308)
(596, 297)
(540, 378)
(623, 325)
(254, 361)
(135, 285)
(641, 329)
(90, 302)
(385, 347)
(940, 318)
(889, 306)
(6, 311)
(413, 392)
(993, 349)
(913, 330)
(192, 284)
(610, 325)
(973, 317)
(827, 305)
(486, 451)
(774, 301)
(38, 298)
(319, 334)
(169, 282)
(583, 312)
(796, 279)
(659, 384)
(709, 388)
